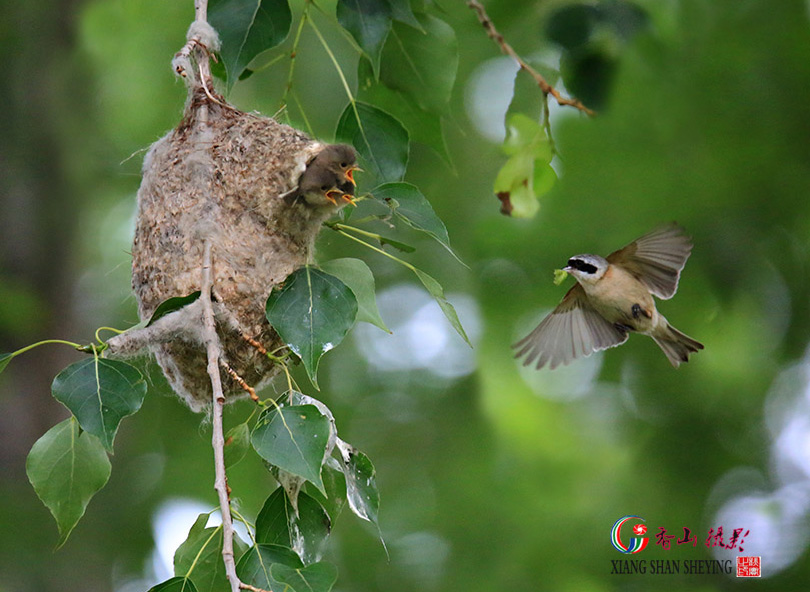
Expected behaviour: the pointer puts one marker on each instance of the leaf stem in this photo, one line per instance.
(44, 342)
(113, 329)
(294, 51)
(359, 231)
(343, 80)
(339, 229)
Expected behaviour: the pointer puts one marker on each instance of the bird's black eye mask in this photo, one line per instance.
(582, 266)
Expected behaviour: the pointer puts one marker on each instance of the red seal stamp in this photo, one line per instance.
(749, 567)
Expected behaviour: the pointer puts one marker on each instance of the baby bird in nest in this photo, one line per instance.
(329, 177)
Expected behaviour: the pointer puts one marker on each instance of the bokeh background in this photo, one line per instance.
(492, 477)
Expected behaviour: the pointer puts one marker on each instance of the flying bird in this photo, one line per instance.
(612, 298)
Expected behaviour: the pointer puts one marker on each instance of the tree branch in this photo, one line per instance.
(214, 352)
(204, 39)
(547, 89)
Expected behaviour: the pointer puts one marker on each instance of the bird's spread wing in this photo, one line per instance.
(656, 259)
(572, 330)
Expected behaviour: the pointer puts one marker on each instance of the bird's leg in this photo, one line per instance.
(239, 380)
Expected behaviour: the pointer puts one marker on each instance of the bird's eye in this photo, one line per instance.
(343, 165)
(324, 187)
(581, 266)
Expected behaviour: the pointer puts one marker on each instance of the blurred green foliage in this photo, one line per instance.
(500, 479)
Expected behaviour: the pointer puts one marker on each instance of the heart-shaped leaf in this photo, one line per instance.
(100, 393)
(318, 577)
(176, 584)
(369, 22)
(312, 313)
(199, 558)
(67, 467)
(358, 277)
(380, 139)
(401, 11)
(422, 64)
(422, 126)
(334, 482)
(246, 28)
(305, 531)
(409, 205)
(293, 438)
(254, 566)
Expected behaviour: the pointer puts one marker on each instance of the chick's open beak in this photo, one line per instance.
(350, 174)
(332, 195)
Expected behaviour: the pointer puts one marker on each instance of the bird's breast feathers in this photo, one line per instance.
(621, 299)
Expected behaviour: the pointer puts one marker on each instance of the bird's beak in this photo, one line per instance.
(332, 195)
(567, 269)
(350, 174)
(348, 199)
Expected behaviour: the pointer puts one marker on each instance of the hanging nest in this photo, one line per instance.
(231, 178)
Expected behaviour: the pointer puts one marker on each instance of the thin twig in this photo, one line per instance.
(244, 586)
(547, 89)
(201, 16)
(214, 350)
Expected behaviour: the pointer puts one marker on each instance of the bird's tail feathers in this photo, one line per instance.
(676, 345)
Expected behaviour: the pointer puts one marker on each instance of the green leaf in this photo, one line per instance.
(237, 442)
(100, 393)
(435, 289)
(254, 566)
(67, 467)
(305, 531)
(334, 482)
(422, 126)
(396, 244)
(369, 22)
(525, 135)
(527, 174)
(171, 305)
(4, 360)
(422, 65)
(514, 187)
(200, 556)
(409, 205)
(526, 97)
(380, 139)
(361, 482)
(312, 312)
(358, 277)
(246, 28)
(294, 439)
(318, 577)
(176, 584)
(401, 11)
